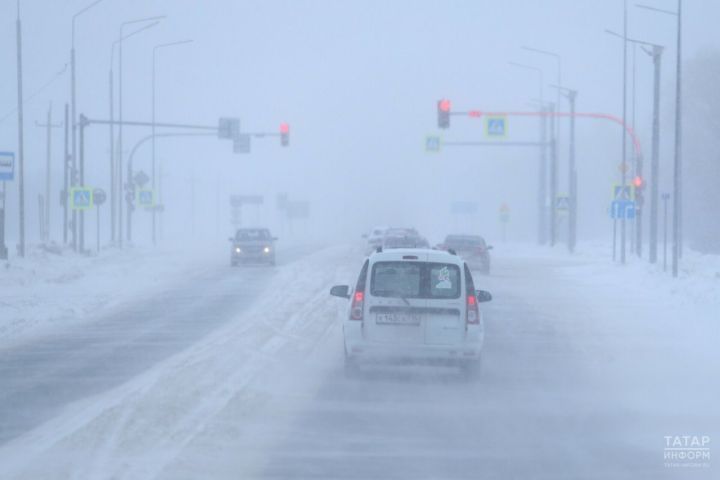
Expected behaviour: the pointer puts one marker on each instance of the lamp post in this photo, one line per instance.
(154, 61)
(571, 95)
(677, 160)
(114, 188)
(656, 54)
(542, 177)
(119, 160)
(73, 113)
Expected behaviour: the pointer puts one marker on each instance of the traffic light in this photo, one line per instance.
(443, 110)
(639, 184)
(284, 134)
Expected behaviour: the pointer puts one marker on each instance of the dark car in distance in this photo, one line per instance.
(252, 245)
(472, 248)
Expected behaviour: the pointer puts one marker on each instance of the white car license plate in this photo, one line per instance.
(397, 319)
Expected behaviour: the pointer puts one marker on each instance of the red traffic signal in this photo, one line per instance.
(639, 182)
(284, 134)
(443, 110)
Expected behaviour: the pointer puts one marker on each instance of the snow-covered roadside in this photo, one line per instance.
(134, 430)
(48, 290)
(698, 283)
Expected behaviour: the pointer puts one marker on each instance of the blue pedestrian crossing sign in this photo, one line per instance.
(496, 126)
(81, 198)
(622, 209)
(623, 192)
(432, 143)
(146, 197)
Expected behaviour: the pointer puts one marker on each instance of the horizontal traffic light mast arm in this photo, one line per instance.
(599, 116)
(90, 121)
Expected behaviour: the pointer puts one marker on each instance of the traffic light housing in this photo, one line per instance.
(443, 110)
(639, 184)
(284, 134)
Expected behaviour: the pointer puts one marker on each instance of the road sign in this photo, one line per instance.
(496, 126)
(432, 143)
(81, 198)
(562, 203)
(240, 200)
(622, 209)
(464, 208)
(146, 197)
(7, 166)
(141, 178)
(504, 208)
(241, 143)
(99, 196)
(623, 192)
(228, 128)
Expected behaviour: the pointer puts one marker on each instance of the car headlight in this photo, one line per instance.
(238, 250)
(266, 249)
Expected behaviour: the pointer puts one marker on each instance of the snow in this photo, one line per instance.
(596, 344)
(47, 290)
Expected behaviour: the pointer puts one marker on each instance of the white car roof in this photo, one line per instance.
(422, 254)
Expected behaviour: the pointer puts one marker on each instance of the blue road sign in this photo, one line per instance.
(496, 126)
(7, 166)
(620, 209)
(81, 198)
(432, 143)
(146, 198)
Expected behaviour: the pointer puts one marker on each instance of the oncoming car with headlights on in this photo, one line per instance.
(413, 306)
(252, 245)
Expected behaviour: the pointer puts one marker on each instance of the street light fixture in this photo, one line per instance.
(73, 108)
(113, 167)
(120, 112)
(154, 55)
(542, 177)
(677, 161)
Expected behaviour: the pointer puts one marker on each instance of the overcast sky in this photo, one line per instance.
(357, 81)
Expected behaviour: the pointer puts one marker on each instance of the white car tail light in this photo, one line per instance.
(473, 314)
(358, 302)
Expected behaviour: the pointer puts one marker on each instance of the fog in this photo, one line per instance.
(358, 84)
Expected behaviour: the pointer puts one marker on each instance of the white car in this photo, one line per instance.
(375, 239)
(415, 306)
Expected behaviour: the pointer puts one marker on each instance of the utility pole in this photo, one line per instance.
(542, 186)
(656, 53)
(572, 221)
(677, 163)
(66, 166)
(21, 147)
(553, 177)
(677, 160)
(624, 131)
(48, 125)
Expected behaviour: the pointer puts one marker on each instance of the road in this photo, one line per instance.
(581, 380)
(41, 376)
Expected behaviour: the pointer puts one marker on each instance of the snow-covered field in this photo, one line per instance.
(584, 355)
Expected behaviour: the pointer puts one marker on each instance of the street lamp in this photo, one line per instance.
(120, 112)
(73, 107)
(677, 162)
(558, 59)
(154, 55)
(571, 95)
(542, 177)
(113, 167)
(656, 54)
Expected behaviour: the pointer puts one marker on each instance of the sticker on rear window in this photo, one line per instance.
(443, 277)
